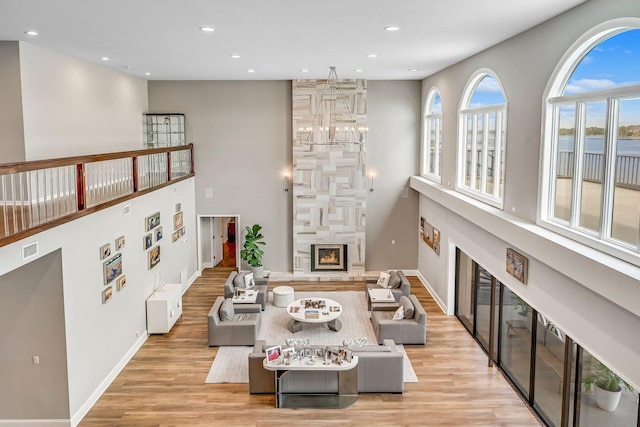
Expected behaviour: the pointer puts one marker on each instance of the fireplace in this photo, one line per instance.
(328, 257)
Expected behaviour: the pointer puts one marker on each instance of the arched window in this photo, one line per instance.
(432, 138)
(592, 142)
(482, 139)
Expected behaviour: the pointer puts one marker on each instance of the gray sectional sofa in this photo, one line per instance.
(404, 288)
(380, 370)
(262, 286)
(242, 331)
(404, 331)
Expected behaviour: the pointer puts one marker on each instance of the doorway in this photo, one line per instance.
(217, 241)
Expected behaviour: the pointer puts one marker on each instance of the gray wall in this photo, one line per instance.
(32, 324)
(393, 144)
(11, 125)
(242, 136)
(591, 295)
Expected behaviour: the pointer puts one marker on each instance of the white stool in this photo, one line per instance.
(282, 296)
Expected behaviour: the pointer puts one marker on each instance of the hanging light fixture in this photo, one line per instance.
(333, 122)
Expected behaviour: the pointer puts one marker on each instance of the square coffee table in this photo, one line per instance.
(380, 298)
(246, 296)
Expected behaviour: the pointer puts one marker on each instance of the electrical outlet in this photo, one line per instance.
(36, 360)
(137, 334)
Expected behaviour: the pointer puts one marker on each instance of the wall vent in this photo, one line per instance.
(127, 210)
(30, 250)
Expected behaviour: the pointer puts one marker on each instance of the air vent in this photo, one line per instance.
(30, 250)
(127, 210)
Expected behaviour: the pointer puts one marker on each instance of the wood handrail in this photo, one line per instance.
(8, 168)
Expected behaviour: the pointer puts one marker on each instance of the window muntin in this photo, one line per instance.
(483, 140)
(595, 139)
(432, 145)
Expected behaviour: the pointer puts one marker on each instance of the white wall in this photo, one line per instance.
(99, 336)
(73, 107)
(11, 126)
(592, 296)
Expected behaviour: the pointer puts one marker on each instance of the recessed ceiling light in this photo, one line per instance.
(414, 70)
(372, 55)
(147, 73)
(392, 28)
(207, 29)
(251, 71)
(234, 56)
(304, 70)
(358, 70)
(31, 33)
(104, 58)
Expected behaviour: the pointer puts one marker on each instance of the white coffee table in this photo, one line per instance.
(249, 296)
(305, 311)
(380, 297)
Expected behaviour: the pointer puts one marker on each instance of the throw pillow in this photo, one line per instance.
(399, 314)
(238, 281)
(394, 280)
(248, 281)
(407, 305)
(383, 280)
(226, 310)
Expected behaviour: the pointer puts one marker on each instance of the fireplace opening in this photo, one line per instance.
(328, 257)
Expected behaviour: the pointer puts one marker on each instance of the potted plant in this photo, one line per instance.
(252, 253)
(606, 385)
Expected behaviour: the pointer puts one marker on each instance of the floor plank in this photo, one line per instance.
(163, 384)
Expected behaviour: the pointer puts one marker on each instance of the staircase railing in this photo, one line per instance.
(38, 195)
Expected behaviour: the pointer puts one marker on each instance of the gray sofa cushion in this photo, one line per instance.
(226, 310)
(394, 280)
(408, 307)
(238, 281)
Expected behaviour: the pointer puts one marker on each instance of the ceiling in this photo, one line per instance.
(275, 38)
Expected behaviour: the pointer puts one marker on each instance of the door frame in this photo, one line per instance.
(204, 240)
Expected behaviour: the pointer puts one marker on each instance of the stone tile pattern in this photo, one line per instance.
(329, 179)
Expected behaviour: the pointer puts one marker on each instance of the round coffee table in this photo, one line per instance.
(314, 310)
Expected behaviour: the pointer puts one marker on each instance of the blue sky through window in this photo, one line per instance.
(487, 92)
(436, 106)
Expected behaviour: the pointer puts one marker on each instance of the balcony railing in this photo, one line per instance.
(627, 168)
(41, 194)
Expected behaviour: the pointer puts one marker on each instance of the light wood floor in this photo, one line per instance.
(163, 385)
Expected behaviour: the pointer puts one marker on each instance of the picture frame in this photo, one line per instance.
(178, 221)
(158, 233)
(120, 243)
(147, 241)
(517, 265)
(178, 207)
(107, 294)
(153, 257)
(430, 235)
(112, 268)
(152, 221)
(121, 283)
(273, 353)
(175, 236)
(105, 251)
(289, 354)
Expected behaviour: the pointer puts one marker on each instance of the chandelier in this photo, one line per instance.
(334, 122)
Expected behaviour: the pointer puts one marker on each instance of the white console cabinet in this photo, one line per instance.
(164, 308)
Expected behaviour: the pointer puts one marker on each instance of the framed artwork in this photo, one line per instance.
(430, 235)
(154, 256)
(178, 207)
(178, 221)
(158, 232)
(175, 236)
(273, 353)
(120, 243)
(517, 265)
(107, 294)
(147, 241)
(112, 268)
(105, 251)
(152, 221)
(121, 283)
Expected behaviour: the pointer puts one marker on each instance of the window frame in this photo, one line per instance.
(428, 116)
(495, 199)
(553, 100)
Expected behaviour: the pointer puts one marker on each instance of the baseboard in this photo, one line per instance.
(36, 423)
(93, 398)
(431, 291)
(192, 279)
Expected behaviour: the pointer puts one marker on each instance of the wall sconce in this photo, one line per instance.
(371, 175)
(285, 180)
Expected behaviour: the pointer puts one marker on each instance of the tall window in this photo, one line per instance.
(482, 140)
(432, 140)
(593, 142)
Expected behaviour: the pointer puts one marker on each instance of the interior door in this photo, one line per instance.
(217, 240)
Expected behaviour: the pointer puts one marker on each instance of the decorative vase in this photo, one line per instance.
(607, 400)
(258, 272)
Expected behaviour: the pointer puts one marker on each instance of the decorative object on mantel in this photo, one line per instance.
(252, 253)
(325, 129)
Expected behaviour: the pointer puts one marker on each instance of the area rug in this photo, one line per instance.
(230, 364)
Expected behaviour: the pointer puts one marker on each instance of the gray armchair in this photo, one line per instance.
(242, 331)
(262, 286)
(404, 331)
(403, 289)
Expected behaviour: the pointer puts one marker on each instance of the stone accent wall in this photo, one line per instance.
(329, 179)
